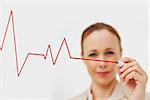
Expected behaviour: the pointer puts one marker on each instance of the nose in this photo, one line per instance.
(102, 64)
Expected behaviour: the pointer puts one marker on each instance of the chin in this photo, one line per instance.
(105, 81)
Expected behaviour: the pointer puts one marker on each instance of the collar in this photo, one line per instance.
(117, 93)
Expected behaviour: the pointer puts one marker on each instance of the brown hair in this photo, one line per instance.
(99, 26)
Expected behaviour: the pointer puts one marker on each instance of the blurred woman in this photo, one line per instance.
(102, 42)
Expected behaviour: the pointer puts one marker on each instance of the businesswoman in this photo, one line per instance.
(101, 41)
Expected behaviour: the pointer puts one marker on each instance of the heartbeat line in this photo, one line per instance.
(44, 55)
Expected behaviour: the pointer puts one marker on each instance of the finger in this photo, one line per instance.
(133, 76)
(129, 70)
(127, 59)
(131, 64)
(126, 66)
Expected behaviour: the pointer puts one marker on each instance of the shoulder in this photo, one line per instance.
(82, 96)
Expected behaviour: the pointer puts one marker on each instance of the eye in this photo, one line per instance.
(110, 53)
(92, 54)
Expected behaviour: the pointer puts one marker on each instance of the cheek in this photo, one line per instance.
(115, 69)
(112, 67)
(91, 66)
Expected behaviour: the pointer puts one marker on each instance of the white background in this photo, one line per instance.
(40, 24)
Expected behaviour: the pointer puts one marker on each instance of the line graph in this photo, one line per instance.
(44, 55)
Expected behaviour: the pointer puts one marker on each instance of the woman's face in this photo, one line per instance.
(102, 45)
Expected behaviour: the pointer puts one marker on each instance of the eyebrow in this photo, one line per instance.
(110, 49)
(89, 51)
(94, 50)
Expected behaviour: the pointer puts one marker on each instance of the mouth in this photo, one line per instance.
(103, 74)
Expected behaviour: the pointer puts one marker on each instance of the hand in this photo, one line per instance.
(134, 78)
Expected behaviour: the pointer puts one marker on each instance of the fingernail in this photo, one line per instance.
(121, 70)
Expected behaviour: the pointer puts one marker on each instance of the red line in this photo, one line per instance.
(64, 42)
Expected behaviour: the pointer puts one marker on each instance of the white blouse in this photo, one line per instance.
(118, 94)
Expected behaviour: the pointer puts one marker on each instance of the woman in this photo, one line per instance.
(102, 42)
